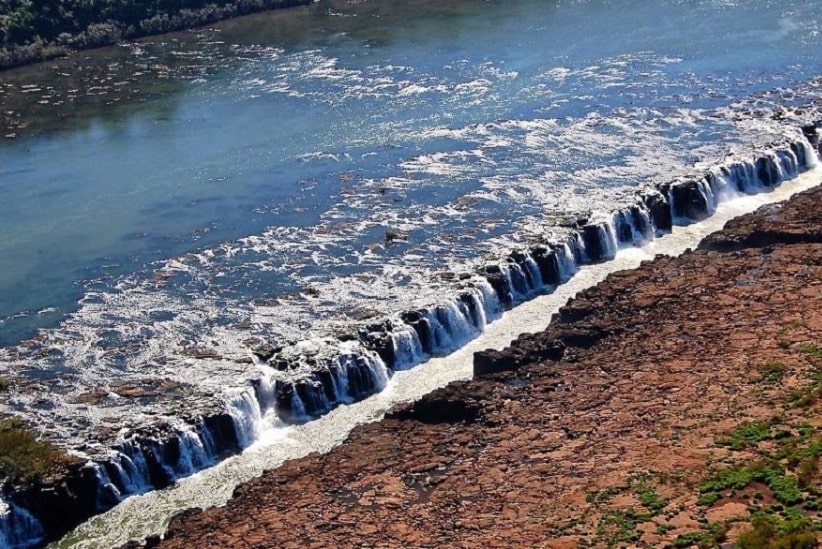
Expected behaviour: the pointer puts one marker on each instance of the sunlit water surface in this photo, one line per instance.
(205, 188)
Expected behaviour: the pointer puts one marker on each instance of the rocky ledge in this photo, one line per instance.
(677, 404)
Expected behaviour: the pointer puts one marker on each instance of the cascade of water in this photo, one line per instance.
(490, 299)
(245, 411)
(566, 259)
(472, 299)
(340, 381)
(266, 390)
(608, 236)
(407, 346)
(516, 281)
(108, 494)
(532, 269)
(18, 528)
(709, 194)
(577, 246)
(193, 456)
(132, 462)
(296, 409)
(356, 371)
(457, 322)
(441, 342)
(812, 156)
(789, 163)
(672, 206)
(212, 451)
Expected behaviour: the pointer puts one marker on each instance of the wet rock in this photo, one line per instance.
(546, 260)
(660, 210)
(689, 201)
(595, 239)
(498, 281)
(202, 353)
(265, 351)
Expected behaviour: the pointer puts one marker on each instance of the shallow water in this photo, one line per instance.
(292, 174)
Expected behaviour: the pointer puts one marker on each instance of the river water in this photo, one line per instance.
(289, 175)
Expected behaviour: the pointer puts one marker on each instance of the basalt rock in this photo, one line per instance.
(548, 264)
(660, 210)
(595, 238)
(798, 221)
(435, 409)
(689, 202)
(64, 501)
(528, 349)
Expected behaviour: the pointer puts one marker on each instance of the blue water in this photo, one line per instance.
(242, 181)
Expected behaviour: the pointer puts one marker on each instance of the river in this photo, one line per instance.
(172, 204)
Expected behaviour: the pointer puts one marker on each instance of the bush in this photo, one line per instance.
(22, 457)
(770, 533)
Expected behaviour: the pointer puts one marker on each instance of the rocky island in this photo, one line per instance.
(675, 405)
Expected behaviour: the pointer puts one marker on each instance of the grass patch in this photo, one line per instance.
(808, 471)
(805, 398)
(771, 372)
(619, 527)
(750, 433)
(771, 473)
(604, 495)
(22, 457)
(712, 536)
(651, 500)
(814, 350)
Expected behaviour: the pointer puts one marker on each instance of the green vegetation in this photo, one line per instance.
(772, 371)
(648, 497)
(747, 434)
(34, 30)
(604, 495)
(712, 535)
(797, 452)
(618, 527)
(770, 471)
(22, 457)
(814, 350)
(786, 471)
(809, 395)
(769, 532)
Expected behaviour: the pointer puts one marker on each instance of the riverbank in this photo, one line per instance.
(35, 32)
(669, 405)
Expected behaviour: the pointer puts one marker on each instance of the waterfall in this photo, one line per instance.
(245, 411)
(353, 369)
(490, 299)
(18, 528)
(408, 350)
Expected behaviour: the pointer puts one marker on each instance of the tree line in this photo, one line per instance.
(35, 30)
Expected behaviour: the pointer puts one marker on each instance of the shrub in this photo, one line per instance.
(22, 456)
(771, 533)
